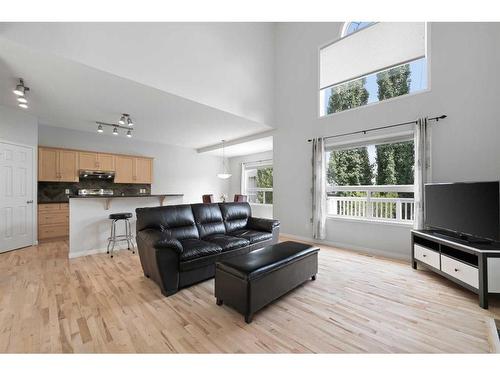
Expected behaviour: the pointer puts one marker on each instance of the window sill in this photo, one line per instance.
(260, 204)
(371, 221)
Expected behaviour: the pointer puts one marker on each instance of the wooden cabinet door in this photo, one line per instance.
(48, 164)
(68, 165)
(144, 170)
(88, 160)
(106, 162)
(125, 171)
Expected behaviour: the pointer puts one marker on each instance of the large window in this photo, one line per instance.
(371, 63)
(372, 181)
(257, 182)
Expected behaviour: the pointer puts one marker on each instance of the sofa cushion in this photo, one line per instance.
(178, 220)
(208, 218)
(193, 248)
(252, 235)
(227, 242)
(235, 215)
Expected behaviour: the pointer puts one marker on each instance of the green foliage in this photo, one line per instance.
(348, 95)
(394, 82)
(265, 180)
(350, 167)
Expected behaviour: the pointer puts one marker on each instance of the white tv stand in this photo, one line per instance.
(473, 266)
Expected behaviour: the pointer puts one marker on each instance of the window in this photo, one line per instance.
(257, 182)
(376, 63)
(351, 27)
(372, 181)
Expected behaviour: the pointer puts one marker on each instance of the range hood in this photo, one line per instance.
(96, 175)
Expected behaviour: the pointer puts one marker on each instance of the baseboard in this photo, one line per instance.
(93, 252)
(358, 249)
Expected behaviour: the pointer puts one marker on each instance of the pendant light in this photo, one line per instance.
(224, 175)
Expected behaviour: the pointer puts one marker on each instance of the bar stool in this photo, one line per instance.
(122, 237)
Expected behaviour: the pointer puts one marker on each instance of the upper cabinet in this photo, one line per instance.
(144, 170)
(63, 165)
(95, 161)
(57, 165)
(134, 170)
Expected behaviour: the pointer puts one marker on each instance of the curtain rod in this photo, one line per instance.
(437, 118)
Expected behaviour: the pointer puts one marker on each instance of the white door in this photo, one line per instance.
(16, 196)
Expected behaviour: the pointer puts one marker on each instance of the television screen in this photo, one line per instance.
(471, 209)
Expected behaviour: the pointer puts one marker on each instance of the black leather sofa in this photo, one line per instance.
(179, 245)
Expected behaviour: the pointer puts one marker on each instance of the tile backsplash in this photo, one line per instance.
(56, 191)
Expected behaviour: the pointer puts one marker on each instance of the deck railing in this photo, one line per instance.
(369, 206)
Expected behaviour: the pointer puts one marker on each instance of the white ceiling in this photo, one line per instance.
(228, 66)
(246, 148)
(71, 95)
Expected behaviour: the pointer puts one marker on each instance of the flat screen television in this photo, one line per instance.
(470, 210)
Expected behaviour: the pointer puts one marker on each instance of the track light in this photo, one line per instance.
(129, 121)
(20, 92)
(129, 134)
(123, 119)
(20, 89)
(100, 129)
(115, 131)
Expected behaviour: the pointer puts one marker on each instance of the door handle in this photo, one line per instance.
(29, 202)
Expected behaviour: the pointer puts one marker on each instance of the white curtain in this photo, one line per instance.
(319, 189)
(243, 181)
(422, 168)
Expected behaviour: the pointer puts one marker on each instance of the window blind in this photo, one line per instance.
(375, 48)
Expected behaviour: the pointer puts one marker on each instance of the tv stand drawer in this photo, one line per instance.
(426, 255)
(460, 271)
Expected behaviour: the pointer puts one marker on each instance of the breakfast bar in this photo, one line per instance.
(89, 225)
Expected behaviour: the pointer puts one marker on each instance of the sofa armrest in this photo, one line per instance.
(159, 255)
(266, 225)
(167, 242)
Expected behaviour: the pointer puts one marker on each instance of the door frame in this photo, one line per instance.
(34, 167)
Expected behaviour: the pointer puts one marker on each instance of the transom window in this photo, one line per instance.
(372, 181)
(372, 64)
(351, 27)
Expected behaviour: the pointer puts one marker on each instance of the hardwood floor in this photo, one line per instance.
(50, 304)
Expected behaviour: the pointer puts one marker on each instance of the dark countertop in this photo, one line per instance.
(46, 201)
(126, 196)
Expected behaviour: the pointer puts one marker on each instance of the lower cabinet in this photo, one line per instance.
(53, 221)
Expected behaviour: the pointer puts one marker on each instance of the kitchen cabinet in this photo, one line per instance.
(96, 161)
(53, 221)
(63, 165)
(57, 165)
(124, 169)
(144, 170)
(134, 170)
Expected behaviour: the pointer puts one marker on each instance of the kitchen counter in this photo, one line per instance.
(125, 196)
(89, 223)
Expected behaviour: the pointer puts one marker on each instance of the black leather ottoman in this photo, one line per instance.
(251, 281)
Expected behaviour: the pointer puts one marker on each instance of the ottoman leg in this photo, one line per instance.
(248, 318)
(313, 277)
(219, 302)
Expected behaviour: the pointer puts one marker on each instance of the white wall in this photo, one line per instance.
(176, 169)
(18, 126)
(228, 66)
(464, 61)
(258, 210)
